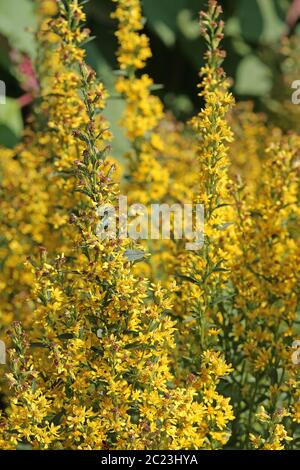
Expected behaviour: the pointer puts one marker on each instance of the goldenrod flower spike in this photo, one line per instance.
(147, 173)
(207, 269)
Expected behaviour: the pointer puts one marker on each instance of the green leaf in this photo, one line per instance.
(253, 77)
(233, 27)
(250, 19)
(221, 299)
(16, 16)
(162, 17)
(11, 122)
(259, 21)
(224, 226)
(219, 270)
(274, 26)
(165, 33)
(188, 279)
(134, 255)
(188, 24)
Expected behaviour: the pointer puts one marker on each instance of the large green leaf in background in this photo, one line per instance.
(162, 17)
(274, 26)
(167, 18)
(259, 21)
(11, 123)
(17, 18)
(253, 77)
(250, 20)
(17, 25)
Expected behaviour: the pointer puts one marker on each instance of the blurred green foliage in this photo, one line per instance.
(253, 31)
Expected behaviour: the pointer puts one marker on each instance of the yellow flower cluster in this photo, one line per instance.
(204, 273)
(134, 48)
(144, 111)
